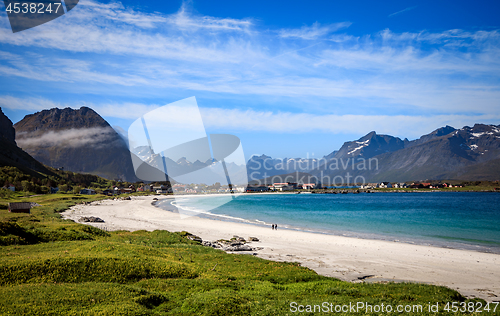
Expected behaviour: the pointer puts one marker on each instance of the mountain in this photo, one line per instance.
(437, 133)
(471, 153)
(184, 171)
(370, 145)
(462, 154)
(76, 140)
(11, 154)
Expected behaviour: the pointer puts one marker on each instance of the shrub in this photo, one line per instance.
(91, 269)
(216, 302)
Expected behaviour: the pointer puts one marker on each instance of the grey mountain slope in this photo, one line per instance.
(437, 133)
(12, 155)
(456, 155)
(7, 131)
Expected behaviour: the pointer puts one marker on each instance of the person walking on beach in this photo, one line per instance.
(276, 226)
(272, 226)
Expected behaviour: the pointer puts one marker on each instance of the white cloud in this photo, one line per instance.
(108, 47)
(97, 137)
(111, 28)
(236, 120)
(287, 122)
(314, 31)
(402, 11)
(185, 21)
(30, 104)
(125, 110)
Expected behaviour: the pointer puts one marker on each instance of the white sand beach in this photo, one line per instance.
(473, 274)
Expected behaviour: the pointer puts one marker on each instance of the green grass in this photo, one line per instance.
(49, 266)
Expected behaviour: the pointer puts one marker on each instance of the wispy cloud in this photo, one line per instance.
(402, 11)
(107, 48)
(314, 31)
(97, 137)
(30, 104)
(238, 120)
(185, 21)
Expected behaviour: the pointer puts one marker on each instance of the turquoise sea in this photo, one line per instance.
(464, 220)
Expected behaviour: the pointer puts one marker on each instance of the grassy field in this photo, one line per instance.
(50, 266)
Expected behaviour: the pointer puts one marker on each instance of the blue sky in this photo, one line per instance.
(290, 78)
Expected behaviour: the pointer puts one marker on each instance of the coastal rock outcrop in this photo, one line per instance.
(91, 219)
(192, 237)
(228, 245)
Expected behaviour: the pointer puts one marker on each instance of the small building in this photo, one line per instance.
(20, 207)
(87, 191)
(239, 189)
(420, 185)
(308, 186)
(257, 188)
(162, 191)
(285, 186)
(384, 185)
(10, 187)
(162, 188)
(54, 190)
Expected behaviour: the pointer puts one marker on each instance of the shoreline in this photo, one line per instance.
(472, 273)
(484, 247)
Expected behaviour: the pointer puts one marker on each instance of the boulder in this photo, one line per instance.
(253, 239)
(194, 238)
(191, 237)
(228, 245)
(240, 247)
(207, 243)
(91, 219)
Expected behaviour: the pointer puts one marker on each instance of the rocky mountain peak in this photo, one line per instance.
(370, 135)
(443, 131)
(59, 119)
(370, 145)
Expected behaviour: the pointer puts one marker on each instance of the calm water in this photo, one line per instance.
(468, 220)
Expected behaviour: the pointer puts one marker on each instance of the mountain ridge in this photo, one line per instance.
(470, 153)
